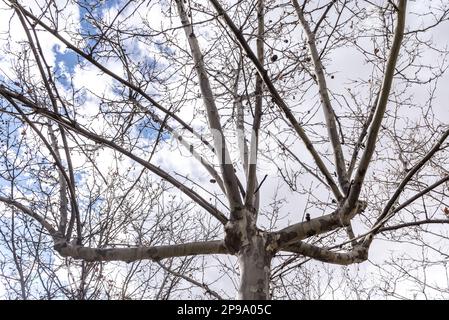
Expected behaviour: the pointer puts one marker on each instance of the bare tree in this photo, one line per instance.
(184, 138)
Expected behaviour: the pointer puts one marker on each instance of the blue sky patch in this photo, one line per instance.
(65, 63)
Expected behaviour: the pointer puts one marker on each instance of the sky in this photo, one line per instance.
(84, 76)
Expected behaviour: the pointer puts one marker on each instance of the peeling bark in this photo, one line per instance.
(255, 264)
(140, 253)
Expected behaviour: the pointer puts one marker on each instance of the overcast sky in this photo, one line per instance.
(345, 63)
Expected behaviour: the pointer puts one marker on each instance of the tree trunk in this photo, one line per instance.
(254, 261)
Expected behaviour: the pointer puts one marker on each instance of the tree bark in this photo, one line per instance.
(255, 264)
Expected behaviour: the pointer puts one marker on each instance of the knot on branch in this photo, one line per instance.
(235, 238)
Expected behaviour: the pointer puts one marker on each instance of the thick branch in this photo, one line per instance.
(422, 193)
(240, 124)
(376, 229)
(101, 67)
(58, 163)
(46, 78)
(357, 255)
(316, 226)
(381, 107)
(141, 253)
(88, 134)
(227, 169)
(359, 142)
(277, 98)
(306, 229)
(120, 254)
